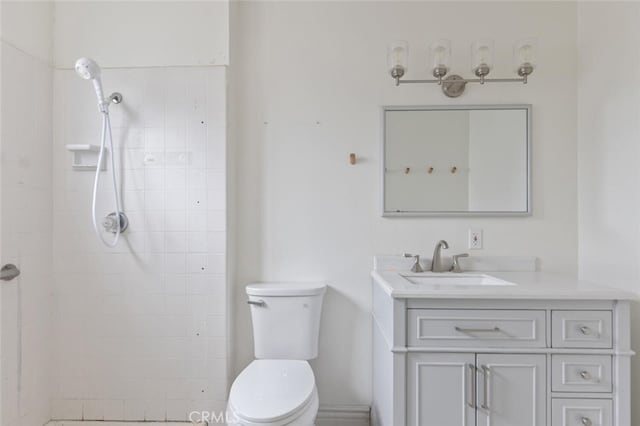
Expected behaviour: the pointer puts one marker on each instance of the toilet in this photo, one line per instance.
(279, 387)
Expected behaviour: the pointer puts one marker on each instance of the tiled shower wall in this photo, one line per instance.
(141, 329)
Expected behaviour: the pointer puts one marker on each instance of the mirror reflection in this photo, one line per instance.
(457, 160)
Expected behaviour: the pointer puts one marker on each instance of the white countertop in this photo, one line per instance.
(528, 285)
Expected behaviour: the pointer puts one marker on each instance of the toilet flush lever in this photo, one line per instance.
(257, 302)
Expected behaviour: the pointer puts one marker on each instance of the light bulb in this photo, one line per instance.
(397, 58)
(482, 58)
(440, 56)
(524, 55)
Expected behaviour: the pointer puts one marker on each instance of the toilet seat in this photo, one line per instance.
(272, 391)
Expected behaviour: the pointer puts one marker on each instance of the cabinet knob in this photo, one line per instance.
(585, 330)
(585, 375)
(586, 421)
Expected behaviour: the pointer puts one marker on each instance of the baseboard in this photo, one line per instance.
(328, 415)
(113, 423)
(343, 415)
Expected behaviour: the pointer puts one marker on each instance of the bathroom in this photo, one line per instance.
(234, 140)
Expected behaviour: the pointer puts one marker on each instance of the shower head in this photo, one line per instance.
(88, 69)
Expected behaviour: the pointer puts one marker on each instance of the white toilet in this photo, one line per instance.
(279, 387)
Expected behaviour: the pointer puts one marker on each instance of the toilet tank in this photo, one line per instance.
(286, 319)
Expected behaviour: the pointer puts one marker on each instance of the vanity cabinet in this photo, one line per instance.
(476, 389)
(500, 362)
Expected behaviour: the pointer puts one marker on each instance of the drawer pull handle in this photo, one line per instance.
(485, 397)
(477, 330)
(585, 375)
(586, 421)
(585, 330)
(472, 369)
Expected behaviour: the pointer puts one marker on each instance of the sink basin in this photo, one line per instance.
(445, 279)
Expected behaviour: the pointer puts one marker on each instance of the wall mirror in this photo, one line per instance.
(457, 160)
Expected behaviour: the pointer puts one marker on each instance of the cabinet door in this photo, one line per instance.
(511, 390)
(441, 389)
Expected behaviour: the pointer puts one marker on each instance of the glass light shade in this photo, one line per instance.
(440, 54)
(482, 55)
(525, 53)
(398, 57)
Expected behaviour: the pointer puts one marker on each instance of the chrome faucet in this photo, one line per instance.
(455, 267)
(436, 261)
(416, 267)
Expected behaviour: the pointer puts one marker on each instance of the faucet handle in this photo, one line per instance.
(455, 267)
(416, 267)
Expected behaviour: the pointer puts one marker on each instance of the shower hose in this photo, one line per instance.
(109, 222)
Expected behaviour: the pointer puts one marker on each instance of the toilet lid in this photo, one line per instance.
(270, 390)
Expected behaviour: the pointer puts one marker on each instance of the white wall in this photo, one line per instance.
(140, 330)
(142, 33)
(25, 228)
(313, 76)
(608, 153)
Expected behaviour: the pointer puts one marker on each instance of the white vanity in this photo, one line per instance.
(499, 349)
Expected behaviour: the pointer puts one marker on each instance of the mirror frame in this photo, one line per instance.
(527, 212)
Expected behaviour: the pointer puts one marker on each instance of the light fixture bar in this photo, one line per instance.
(466, 80)
(482, 59)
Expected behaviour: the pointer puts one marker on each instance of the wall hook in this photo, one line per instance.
(407, 170)
(352, 158)
(454, 169)
(430, 170)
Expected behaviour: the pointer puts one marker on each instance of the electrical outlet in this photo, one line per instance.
(475, 239)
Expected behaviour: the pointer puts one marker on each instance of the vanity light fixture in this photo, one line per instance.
(397, 57)
(482, 58)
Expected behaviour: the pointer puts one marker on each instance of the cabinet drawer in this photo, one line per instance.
(470, 327)
(581, 329)
(581, 373)
(581, 412)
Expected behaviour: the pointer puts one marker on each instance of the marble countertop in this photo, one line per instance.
(528, 285)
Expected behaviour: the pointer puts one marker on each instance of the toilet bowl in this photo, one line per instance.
(274, 393)
(279, 387)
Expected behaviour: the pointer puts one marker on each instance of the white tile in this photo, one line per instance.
(154, 139)
(197, 242)
(196, 221)
(93, 409)
(176, 179)
(134, 409)
(177, 409)
(175, 138)
(154, 200)
(154, 409)
(175, 220)
(175, 242)
(154, 179)
(66, 409)
(155, 242)
(175, 263)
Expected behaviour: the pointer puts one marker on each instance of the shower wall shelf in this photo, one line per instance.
(85, 157)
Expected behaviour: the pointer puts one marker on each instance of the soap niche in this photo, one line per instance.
(85, 157)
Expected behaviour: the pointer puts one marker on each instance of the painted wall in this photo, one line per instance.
(141, 33)
(608, 153)
(311, 88)
(25, 224)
